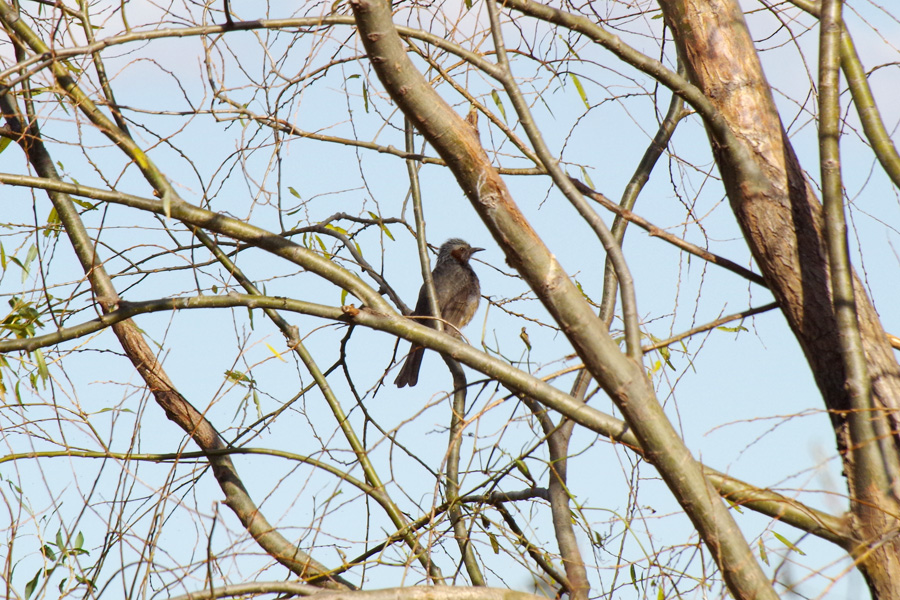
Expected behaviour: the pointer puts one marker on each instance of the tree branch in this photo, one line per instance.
(769, 503)
(621, 377)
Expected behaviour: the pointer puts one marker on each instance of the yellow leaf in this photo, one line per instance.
(276, 353)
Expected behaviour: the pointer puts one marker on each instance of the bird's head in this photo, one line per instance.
(457, 249)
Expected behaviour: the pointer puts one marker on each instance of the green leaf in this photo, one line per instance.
(238, 377)
(586, 297)
(499, 104)
(587, 178)
(31, 585)
(734, 506)
(569, 46)
(664, 352)
(294, 192)
(365, 91)
(340, 230)
(53, 223)
(110, 409)
(258, 405)
(4, 142)
(660, 594)
(495, 545)
(83, 204)
(762, 551)
(523, 469)
(787, 543)
(344, 298)
(633, 577)
(323, 247)
(733, 329)
(580, 89)
(384, 228)
(32, 254)
(48, 552)
(42, 366)
(72, 67)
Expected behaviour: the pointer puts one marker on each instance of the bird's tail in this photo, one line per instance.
(409, 373)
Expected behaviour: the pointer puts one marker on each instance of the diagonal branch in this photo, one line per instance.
(764, 501)
(621, 377)
(176, 406)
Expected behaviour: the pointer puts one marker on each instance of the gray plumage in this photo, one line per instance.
(458, 292)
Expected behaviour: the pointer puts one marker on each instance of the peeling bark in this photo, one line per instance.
(783, 225)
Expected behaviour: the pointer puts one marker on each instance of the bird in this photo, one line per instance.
(458, 293)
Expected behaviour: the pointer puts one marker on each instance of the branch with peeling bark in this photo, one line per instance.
(622, 378)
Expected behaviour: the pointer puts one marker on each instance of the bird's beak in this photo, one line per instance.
(474, 250)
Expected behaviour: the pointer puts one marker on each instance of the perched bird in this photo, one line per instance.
(458, 292)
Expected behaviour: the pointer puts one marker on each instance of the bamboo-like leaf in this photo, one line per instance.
(275, 352)
(384, 228)
(257, 404)
(788, 543)
(499, 104)
(26, 265)
(734, 505)
(569, 46)
(323, 247)
(238, 377)
(580, 89)
(53, 223)
(587, 178)
(523, 469)
(31, 585)
(41, 365)
(47, 551)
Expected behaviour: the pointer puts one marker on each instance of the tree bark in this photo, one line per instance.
(622, 377)
(783, 225)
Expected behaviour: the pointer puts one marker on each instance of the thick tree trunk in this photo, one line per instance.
(783, 226)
